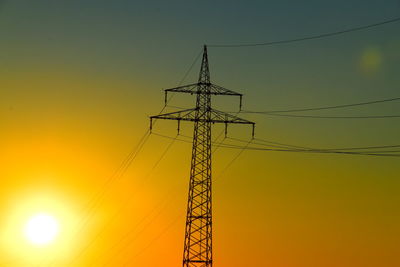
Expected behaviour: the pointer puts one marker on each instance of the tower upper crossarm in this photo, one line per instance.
(194, 89)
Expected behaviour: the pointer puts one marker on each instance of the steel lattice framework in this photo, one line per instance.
(198, 231)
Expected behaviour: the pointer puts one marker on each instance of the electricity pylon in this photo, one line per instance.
(198, 231)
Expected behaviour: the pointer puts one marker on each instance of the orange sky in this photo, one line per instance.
(79, 80)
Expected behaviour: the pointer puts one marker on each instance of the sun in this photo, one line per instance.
(41, 229)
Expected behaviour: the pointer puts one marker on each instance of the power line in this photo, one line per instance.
(284, 146)
(308, 150)
(339, 148)
(326, 107)
(330, 117)
(373, 149)
(316, 150)
(278, 112)
(367, 153)
(312, 37)
(268, 143)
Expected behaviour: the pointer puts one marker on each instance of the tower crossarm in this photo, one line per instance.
(195, 88)
(190, 115)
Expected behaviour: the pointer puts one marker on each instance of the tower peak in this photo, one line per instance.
(204, 76)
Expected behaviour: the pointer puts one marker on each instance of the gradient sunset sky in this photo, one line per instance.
(78, 80)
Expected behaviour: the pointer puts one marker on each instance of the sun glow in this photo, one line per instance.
(41, 229)
(38, 227)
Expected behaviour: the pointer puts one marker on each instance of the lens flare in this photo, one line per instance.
(371, 60)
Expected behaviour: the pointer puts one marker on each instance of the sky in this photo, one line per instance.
(79, 80)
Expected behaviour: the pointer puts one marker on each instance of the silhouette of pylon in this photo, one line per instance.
(198, 230)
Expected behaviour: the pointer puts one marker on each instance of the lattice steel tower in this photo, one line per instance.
(198, 232)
